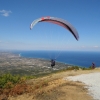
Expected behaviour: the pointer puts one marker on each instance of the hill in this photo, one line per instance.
(51, 87)
(45, 84)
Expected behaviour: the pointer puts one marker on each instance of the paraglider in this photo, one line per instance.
(57, 21)
(60, 22)
(52, 63)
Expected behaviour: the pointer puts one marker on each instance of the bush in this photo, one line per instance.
(73, 68)
(8, 80)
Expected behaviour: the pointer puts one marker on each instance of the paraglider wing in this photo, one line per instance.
(58, 21)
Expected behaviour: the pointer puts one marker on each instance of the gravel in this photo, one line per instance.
(92, 81)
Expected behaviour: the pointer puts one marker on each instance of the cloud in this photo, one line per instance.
(83, 46)
(96, 46)
(5, 12)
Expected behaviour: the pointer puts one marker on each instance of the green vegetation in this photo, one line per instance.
(89, 68)
(73, 68)
(8, 80)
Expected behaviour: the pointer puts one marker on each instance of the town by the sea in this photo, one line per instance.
(77, 58)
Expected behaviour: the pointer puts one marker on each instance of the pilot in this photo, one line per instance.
(52, 63)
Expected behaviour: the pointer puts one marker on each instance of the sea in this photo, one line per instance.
(76, 58)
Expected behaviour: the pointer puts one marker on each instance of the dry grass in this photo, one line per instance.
(53, 87)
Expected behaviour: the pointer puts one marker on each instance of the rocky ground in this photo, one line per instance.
(55, 87)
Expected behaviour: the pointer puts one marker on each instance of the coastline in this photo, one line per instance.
(81, 58)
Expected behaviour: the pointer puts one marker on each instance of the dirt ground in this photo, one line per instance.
(54, 87)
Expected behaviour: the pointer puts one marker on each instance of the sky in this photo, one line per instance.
(17, 15)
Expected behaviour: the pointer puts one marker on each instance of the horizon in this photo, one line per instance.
(11, 50)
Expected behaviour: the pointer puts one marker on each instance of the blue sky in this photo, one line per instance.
(17, 15)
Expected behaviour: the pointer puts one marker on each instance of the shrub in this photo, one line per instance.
(8, 80)
(73, 68)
